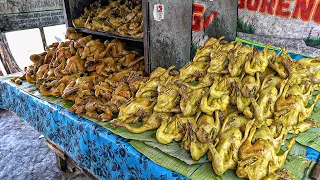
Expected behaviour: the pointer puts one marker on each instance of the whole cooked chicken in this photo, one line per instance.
(238, 57)
(281, 64)
(174, 128)
(157, 77)
(168, 98)
(203, 53)
(120, 17)
(259, 61)
(190, 100)
(259, 159)
(219, 59)
(193, 71)
(292, 110)
(223, 152)
(135, 110)
(148, 123)
(205, 127)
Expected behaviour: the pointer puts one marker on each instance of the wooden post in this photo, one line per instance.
(43, 38)
(9, 64)
(66, 163)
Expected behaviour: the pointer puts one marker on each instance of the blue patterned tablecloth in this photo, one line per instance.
(105, 154)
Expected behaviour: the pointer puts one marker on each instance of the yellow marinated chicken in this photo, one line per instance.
(250, 85)
(223, 152)
(222, 86)
(219, 59)
(205, 82)
(148, 123)
(303, 91)
(208, 127)
(269, 134)
(122, 17)
(259, 159)
(205, 128)
(242, 102)
(304, 70)
(193, 71)
(292, 110)
(135, 110)
(168, 98)
(214, 43)
(237, 59)
(190, 100)
(203, 53)
(264, 107)
(259, 61)
(208, 105)
(303, 126)
(281, 64)
(174, 128)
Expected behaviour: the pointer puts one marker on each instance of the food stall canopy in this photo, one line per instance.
(18, 15)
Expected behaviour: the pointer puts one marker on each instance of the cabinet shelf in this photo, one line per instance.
(108, 34)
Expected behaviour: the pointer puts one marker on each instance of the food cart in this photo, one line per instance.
(118, 124)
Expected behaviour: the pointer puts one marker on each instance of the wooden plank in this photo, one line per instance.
(20, 21)
(43, 38)
(65, 162)
(61, 163)
(6, 57)
(27, 6)
(56, 149)
(145, 12)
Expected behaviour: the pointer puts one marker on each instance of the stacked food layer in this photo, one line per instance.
(98, 76)
(233, 102)
(123, 18)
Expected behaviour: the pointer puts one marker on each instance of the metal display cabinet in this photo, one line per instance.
(166, 41)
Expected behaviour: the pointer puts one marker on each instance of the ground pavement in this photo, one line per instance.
(23, 154)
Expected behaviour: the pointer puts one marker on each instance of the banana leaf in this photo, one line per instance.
(175, 150)
(299, 167)
(164, 159)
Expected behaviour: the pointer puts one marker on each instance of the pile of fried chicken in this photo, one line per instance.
(233, 102)
(124, 18)
(98, 76)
